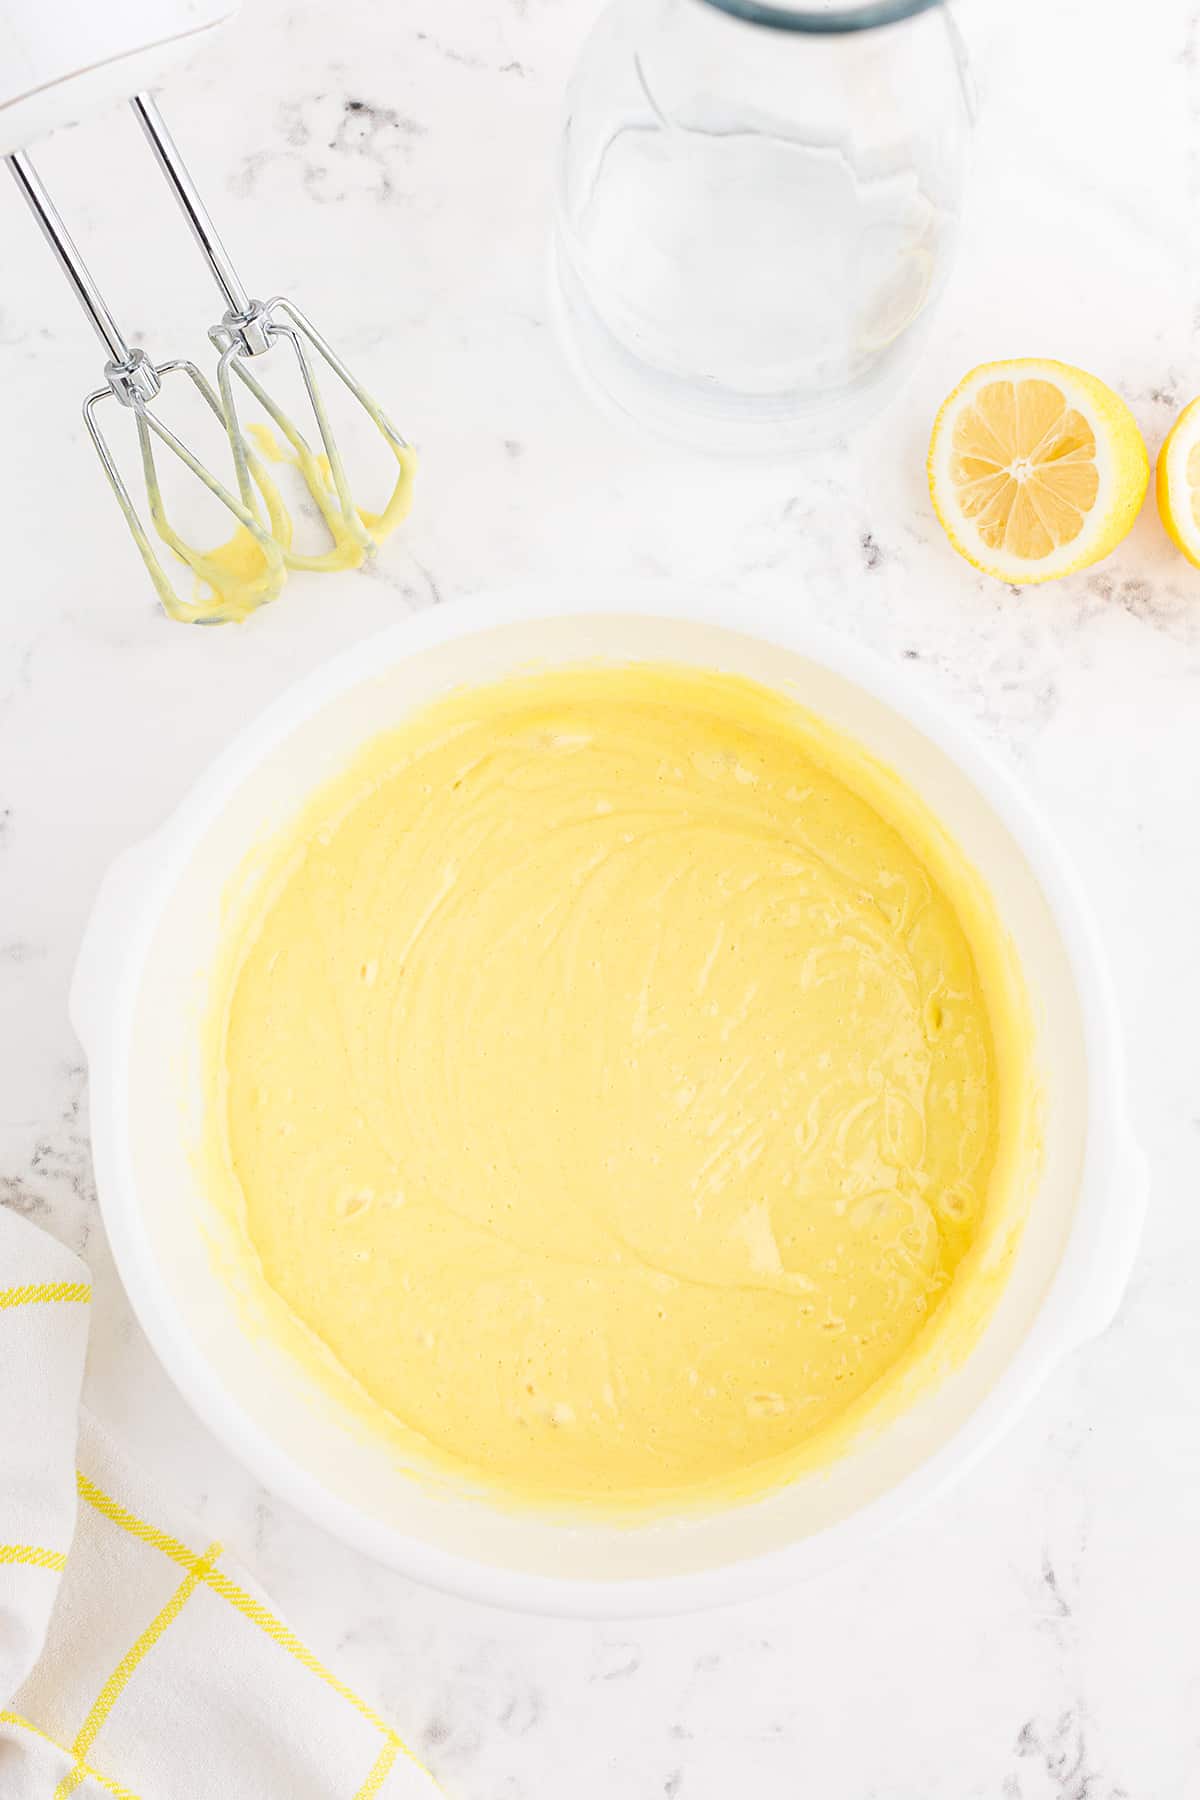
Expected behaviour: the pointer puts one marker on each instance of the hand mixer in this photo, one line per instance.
(252, 566)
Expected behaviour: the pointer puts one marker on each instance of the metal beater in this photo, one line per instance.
(135, 383)
(248, 330)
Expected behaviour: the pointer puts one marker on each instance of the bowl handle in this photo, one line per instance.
(109, 934)
(1114, 1237)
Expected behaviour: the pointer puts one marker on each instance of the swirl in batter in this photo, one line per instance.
(609, 1082)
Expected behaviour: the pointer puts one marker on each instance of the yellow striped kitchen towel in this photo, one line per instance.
(136, 1660)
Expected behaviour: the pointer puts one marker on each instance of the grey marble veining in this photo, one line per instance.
(1033, 1636)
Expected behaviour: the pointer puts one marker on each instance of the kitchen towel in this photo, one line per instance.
(136, 1660)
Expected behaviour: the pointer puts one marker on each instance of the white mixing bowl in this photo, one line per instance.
(138, 994)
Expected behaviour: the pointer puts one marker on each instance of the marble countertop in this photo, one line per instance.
(1033, 1636)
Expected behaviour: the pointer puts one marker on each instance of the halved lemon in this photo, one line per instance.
(1036, 469)
(1177, 482)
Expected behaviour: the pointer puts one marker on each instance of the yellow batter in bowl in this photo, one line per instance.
(622, 1083)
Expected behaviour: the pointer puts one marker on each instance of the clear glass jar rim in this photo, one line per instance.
(823, 21)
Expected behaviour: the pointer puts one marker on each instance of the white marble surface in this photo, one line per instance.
(1034, 1636)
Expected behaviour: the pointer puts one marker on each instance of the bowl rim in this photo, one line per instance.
(1080, 1298)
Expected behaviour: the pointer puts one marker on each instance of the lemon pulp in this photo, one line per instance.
(1036, 469)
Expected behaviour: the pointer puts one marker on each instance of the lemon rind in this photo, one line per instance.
(1171, 486)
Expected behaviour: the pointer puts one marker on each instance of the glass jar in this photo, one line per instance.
(756, 210)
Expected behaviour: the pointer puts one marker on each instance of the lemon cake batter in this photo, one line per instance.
(623, 1077)
(233, 579)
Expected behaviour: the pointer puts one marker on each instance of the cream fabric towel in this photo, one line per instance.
(135, 1660)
